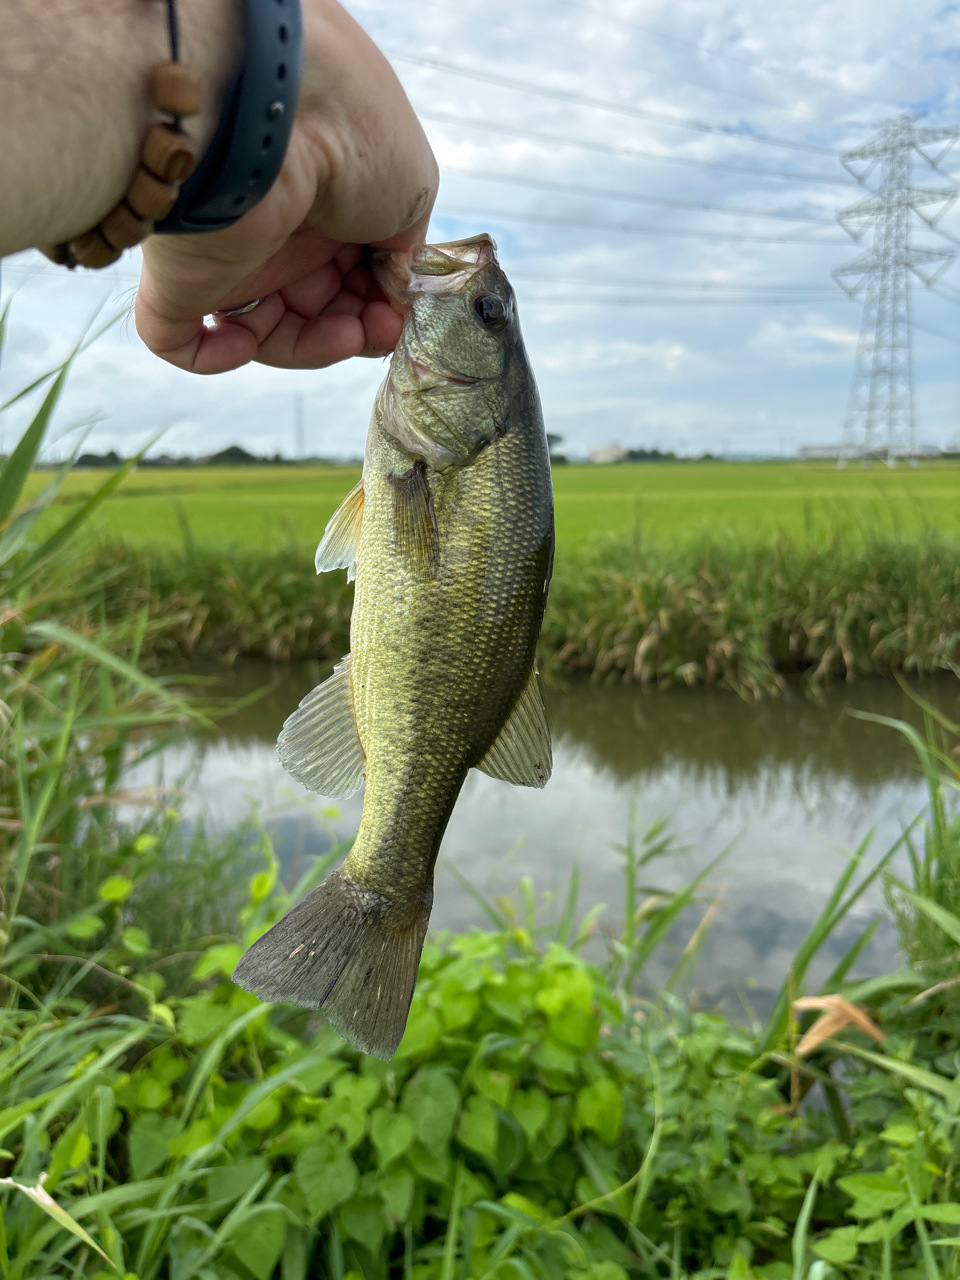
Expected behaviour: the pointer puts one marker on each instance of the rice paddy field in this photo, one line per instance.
(269, 506)
(544, 1115)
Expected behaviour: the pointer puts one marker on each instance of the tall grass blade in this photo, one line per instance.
(19, 464)
(834, 910)
(497, 918)
(943, 1087)
(4, 317)
(948, 922)
(46, 1202)
(449, 1264)
(929, 1262)
(62, 535)
(851, 957)
(664, 921)
(16, 532)
(801, 1229)
(569, 913)
(86, 339)
(57, 634)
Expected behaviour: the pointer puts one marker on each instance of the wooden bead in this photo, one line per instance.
(175, 89)
(167, 153)
(59, 253)
(91, 250)
(122, 228)
(149, 198)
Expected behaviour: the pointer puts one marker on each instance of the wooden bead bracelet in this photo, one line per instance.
(166, 159)
(243, 159)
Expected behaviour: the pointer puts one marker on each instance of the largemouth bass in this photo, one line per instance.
(450, 537)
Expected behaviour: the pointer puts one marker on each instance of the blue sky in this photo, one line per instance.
(710, 322)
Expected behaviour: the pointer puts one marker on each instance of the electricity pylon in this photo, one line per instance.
(881, 419)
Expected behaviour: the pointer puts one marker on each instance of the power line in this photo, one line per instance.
(602, 104)
(523, 274)
(579, 299)
(44, 272)
(631, 153)
(691, 44)
(607, 57)
(938, 333)
(580, 189)
(631, 228)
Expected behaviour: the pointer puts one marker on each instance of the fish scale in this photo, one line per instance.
(450, 536)
(423, 660)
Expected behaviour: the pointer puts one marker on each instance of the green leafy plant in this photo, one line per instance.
(544, 1117)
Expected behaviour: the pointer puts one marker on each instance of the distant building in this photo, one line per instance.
(609, 453)
(814, 451)
(832, 452)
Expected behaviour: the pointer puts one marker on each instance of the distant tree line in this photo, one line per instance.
(660, 455)
(233, 456)
(236, 456)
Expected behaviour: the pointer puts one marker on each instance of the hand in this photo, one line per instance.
(358, 171)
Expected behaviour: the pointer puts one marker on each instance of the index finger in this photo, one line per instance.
(182, 281)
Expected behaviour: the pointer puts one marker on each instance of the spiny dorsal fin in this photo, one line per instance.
(319, 744)
(415, 521)
(522, 753)
(338, 546)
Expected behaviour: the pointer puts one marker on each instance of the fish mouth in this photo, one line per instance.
(431, 268)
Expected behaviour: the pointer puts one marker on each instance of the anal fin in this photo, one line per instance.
(522, 753)
(415, 521)
(338, 546)
(319, 744)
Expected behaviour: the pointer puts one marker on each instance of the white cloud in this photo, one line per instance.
(809, 341)
(595, 355)
(710, 363)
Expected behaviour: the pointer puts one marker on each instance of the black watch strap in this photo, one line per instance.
(246, 153)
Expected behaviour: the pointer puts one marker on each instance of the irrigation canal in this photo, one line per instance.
(787, 786)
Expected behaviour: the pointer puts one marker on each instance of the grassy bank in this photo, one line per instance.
(543, 1118)
(719, 612)
(256, 507)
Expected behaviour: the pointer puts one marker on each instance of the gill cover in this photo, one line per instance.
(446, 406)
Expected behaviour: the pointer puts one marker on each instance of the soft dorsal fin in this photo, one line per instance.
(338, 546)
(415, 521)
(319, 744)
(522, 753)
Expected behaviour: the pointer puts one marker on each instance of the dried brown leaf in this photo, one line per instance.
(838, 1013)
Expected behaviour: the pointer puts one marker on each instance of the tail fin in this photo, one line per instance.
(349, 950)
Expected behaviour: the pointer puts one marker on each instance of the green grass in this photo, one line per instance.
(543, 1118)
(721, 612)
(261, 507)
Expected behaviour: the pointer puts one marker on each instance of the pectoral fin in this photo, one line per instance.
(338, 546)
(415, 521)
(319, 744)
(522, 753)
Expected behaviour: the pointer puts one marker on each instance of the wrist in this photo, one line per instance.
(376, 173)
(74, 82)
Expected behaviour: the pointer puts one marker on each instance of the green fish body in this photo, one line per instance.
(450, 536)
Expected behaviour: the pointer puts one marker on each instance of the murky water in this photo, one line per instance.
(787, 786)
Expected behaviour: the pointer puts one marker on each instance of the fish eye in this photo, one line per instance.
(491, 312)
